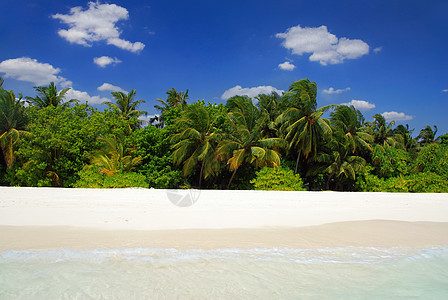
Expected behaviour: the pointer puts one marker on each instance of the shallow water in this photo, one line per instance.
(330, 273)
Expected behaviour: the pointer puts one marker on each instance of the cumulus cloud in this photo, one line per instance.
(250, 92)
(84, 96)
(30, 70)
(338, 91)
(111, 88)
(147, 119)
(360, 104)
(324, 46)
(287, 66)
(396, 116)
(103, 61)
(97, 23)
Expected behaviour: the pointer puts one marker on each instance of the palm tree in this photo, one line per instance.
(12, 124)
(404, 131)
(49, 96)
(271, 105)
(383, 134)
(349, 120)
(174, 99)
(195, 142)
(337, 160)
(112, 158)
(301, 122)
(244, 144)
(125, 104)
(427, 135)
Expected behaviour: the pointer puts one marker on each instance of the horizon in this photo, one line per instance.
(385, 58)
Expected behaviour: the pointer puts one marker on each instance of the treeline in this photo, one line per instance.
(273, 143)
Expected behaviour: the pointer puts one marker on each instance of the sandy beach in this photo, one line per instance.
(52, 218)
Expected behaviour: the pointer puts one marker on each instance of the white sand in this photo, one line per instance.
(26, 212)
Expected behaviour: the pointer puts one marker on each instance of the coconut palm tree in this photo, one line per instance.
(174, 99)
(12, 124)
(302, 123)
(349, 120)
(245, 144)
(271, 105)
(337, 160)
(406, 134)
(195, 142)
(112, 157)
(49, 96)
(383, 133)
(427, 135)
(125, 104)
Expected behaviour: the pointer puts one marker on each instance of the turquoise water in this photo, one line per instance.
(330, 273)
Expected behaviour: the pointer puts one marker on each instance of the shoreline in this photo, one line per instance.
(377, 233)
(80, 219)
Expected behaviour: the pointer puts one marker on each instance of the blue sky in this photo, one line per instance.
(387, 57)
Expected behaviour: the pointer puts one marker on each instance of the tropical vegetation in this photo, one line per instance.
(271, 142)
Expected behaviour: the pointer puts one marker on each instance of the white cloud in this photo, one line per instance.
(146, 119)
(396, 116)
(360, 104)
(378, 49)
(110, 87)
(30, 70)
(250, 92)
(84, 96)
(338, 91)
(445, 90)
(103, 61)
(325, 47)
(97, 23)
(287, 66)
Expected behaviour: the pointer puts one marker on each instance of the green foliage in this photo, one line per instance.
(125, 105)
(153, 145)
(425, 182)
(277, 179)
(302, 124)
(337, 161)
(195, 142)
(244, 144)
(432, 158)
(12, 125)
(175, 102)
(60, 143)
(93, 178)
(443, 139)
(49, 96)
(113, 156)
(384, 135)
(389, 161)
(349, 120)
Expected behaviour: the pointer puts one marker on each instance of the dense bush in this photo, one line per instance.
(91, 178)
(389, 161)
(427, 182)
(277, 179)
(61, 139)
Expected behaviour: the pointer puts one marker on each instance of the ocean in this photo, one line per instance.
(274, 273)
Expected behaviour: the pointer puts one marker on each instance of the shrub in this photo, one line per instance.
(91, 178)
(277, 179)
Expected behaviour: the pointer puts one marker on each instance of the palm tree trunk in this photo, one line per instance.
(231, 178)
(327, 184)
(200, 174)
(297, 163)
